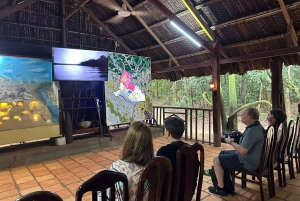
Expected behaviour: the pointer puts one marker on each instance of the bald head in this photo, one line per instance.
(249, 116)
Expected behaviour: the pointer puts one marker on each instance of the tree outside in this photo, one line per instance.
(252, 89)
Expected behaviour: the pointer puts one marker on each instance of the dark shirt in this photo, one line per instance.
(170, 151)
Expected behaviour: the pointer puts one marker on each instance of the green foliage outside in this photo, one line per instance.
(256, 84)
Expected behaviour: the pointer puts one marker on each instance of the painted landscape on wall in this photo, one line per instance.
(128, 89)
(79, 65)
(28, 97)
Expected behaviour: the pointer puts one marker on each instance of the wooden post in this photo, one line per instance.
(63, 24)
(216, 98)
(277, 84)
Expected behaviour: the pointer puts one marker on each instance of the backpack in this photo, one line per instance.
(227, 180)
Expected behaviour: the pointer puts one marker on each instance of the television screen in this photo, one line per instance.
(79, 65)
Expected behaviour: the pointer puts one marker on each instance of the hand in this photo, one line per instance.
(228, 140)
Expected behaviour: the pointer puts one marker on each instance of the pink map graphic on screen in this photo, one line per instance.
(126, 80)
(128, 90)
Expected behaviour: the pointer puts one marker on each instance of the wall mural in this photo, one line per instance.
(128, 89)
(28, 97)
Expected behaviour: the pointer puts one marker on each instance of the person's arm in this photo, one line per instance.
(242, 150)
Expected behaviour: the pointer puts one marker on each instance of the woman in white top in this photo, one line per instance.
(137, 151)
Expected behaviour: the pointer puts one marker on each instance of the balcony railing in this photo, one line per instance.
(198, 121)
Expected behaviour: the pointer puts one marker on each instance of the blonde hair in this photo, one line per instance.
(137, 146)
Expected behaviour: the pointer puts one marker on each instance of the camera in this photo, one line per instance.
(235, 135)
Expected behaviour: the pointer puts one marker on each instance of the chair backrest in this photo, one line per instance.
(287, 140)
(279, 135)
(40, 196)
(157, 172)
(102, 181)
(296, 143)
(190, 153)
(291, 132)
(268, 150)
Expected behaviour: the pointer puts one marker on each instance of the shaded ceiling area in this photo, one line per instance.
(243, 27)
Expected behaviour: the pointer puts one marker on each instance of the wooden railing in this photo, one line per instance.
(198, 121)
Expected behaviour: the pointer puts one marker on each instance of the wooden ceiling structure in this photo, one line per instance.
(235, 36)
(250, 32)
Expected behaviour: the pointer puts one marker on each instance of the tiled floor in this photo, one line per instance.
(63, 176)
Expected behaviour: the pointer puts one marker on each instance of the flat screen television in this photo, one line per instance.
(79, 65)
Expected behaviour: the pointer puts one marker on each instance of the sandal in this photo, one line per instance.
(206, 172)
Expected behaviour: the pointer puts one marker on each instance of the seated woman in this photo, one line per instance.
(137, 151)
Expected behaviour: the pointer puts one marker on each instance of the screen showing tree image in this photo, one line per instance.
(79, 65)
(28, 97)
(128, 89)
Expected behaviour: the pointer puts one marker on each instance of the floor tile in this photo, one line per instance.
(26, 185)
(63, 176)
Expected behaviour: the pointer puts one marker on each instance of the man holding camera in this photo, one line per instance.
(246, 154)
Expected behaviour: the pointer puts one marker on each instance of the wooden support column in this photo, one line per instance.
(216, 98)
(63, 24)
(277, 84)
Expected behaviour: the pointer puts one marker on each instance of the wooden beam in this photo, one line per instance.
(288, 21)
(140, 5)
(105, 27)
(182, 56)
(207, 30)
(181, 14)
(172, 17)
(152, 34)
(241, 44)
(184, 67)
(216, 96)
(277, 92)
(218, 26)
(261, 55)
(73, 10)
(196, 15)
(16, 8)
(258, 55)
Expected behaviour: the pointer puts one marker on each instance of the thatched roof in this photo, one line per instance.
(243, 27)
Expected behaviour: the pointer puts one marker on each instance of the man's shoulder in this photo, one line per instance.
(257, 129)
(172, 147)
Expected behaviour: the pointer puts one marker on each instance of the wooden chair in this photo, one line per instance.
(157, 175)
(280, 136)
(283, 155)
(296, 152)
(102, 181)
(265, 167)
(40, 196)
(190, 153)
(293, 150)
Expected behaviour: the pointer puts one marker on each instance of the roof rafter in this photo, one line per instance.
(100, 23)
(16, 8)
(159, 6)
(289, 22)
(225, 24)
(208, 31)
(250, 42)
(257, 55)
(79, 5)
(167, 20)
(152, 34)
